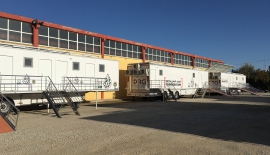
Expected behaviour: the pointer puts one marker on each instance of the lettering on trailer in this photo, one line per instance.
(139, 81)
(173, 83)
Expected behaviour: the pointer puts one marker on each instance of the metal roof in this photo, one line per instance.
(224, 68)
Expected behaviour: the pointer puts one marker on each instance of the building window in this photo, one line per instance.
(76, 66)
(68, 40)
(101, 68)
(115, 48)
(28, 62)
(16, 31)
(160, 72)
(193, 75)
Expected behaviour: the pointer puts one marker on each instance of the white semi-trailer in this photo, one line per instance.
(227, 82)
(38, 76)
(151, 80)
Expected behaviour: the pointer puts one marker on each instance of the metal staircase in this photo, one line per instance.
(217, 89)
(72, 95)
(250, 89)
(54, 98)
(200, 92)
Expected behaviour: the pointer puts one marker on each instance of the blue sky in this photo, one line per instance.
(235, 31)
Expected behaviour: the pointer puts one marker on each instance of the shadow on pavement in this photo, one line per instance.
(226, 121)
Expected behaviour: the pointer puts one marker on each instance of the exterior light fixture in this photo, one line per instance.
(35, 21)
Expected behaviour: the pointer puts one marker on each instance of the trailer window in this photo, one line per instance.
(28, 62)
(193, 75)
(101, 68)
(76, 66)
(160, 72)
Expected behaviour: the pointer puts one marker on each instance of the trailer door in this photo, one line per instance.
(60, 71)
(45, 67)
(152, 74)
(199, 85)
(89, 70)
(7, 67)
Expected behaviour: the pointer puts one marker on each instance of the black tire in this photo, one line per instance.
(177, 96)
(5, 107)
(165, 95)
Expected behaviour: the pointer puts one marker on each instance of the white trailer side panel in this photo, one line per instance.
(161, 77)
(232, 80)
(186, 80)
(54, 64)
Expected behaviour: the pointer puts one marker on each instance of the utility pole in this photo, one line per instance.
(264, 65)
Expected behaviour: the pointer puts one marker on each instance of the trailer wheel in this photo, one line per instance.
(169, 96)
(5, 106)
(177, 96)
(165, 96)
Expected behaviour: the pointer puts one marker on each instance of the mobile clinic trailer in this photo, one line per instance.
(38, 76)
(227, 82)
(150, 80)
(220, 79)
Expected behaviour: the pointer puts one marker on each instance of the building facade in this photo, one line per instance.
(24, 31)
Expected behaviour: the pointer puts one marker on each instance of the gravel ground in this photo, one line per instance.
(216, 125)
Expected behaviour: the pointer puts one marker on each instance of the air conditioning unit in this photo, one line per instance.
(136, 66)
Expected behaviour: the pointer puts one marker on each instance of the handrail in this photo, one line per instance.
(71, 88)
(30, 83)
(89, 83)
